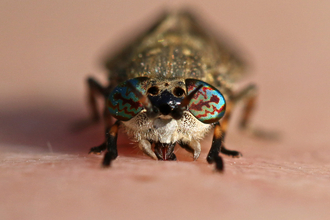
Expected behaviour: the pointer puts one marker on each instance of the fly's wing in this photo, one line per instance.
(215, 59)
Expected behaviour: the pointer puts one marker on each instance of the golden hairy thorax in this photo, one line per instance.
(176, 47)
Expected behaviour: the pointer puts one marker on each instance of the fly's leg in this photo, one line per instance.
(232, 153)
(193, 147)
(98, 149)
(213, 155)
(224, 127)
(249, 95)
(111, 144)
(94, 89)
(108, 119)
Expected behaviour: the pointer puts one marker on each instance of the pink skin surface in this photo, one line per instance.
(48, 49)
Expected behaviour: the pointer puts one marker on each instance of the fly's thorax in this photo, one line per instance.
(167, 61)
(165, 129)
(177, 45)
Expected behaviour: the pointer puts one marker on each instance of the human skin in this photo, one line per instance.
(47, 49)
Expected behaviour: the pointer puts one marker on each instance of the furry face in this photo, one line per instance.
(168, 131)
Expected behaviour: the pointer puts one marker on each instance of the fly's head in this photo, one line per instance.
(166, 97)
(165, 112)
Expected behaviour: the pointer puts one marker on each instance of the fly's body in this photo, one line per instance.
(171, 86)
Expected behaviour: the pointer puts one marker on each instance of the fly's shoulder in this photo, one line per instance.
(176, 46)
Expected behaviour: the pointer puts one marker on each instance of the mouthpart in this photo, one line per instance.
(164, 151)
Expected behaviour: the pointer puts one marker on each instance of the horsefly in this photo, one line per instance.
(172, 85)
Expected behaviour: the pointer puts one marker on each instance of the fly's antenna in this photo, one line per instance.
(152, 111)
(177, 112)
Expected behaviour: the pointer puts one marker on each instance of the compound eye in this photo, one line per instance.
(122, 103)
(208, 105)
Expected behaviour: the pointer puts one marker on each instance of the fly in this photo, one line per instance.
(170, 86)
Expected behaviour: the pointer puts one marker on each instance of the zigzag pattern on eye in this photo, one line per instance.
(123, 102)
(208, 104)
(201, 104)
(203, 91)
(208, 109)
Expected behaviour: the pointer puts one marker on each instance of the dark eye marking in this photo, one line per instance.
(178, 91)
(154, 90)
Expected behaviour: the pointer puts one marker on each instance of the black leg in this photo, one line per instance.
(95, 88)
(111, 144)
(232, 153)
(98, 149)
(213, 155)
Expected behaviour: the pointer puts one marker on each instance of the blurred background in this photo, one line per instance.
(48, 48)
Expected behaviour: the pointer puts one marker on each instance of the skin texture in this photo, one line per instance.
(46, 173)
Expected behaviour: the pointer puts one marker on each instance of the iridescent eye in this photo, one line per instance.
(122, 103)
(208, 104)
